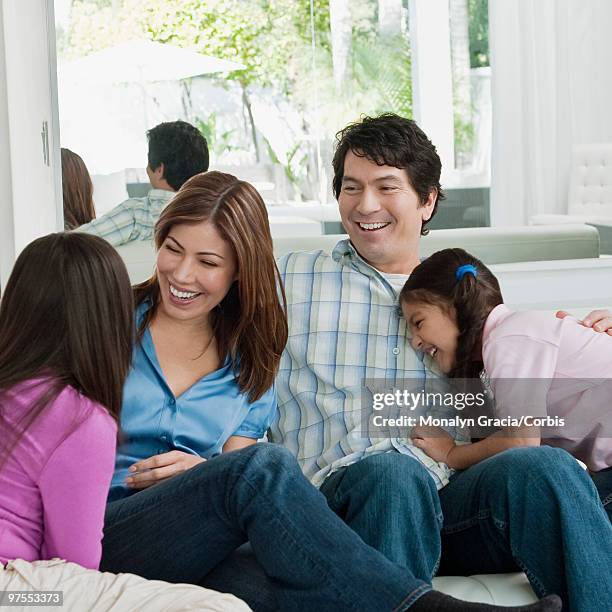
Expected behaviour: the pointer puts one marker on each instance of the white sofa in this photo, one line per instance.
(493, 245)
(538, 267)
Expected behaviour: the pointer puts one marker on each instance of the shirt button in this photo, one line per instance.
(396, 351)
(164, 438)
(172, 401)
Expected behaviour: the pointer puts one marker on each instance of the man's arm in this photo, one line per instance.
(116, 226)
(599, 320)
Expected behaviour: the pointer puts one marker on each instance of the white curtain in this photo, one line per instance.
(551, 64)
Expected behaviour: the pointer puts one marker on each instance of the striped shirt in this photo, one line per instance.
(344, 327)
(133, 219)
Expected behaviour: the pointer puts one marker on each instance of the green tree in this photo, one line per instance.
(479, 33)
(272, 39)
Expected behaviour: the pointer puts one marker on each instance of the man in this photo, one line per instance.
(528, 508)
(177, 151)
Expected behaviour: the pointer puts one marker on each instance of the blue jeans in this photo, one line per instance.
(528, 508)
(603, 483)
(181, 529)
(392, 502)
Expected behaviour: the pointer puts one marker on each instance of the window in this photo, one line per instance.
(306, 69)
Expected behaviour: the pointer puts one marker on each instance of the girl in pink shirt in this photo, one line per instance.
(551, 378)
(66, 331)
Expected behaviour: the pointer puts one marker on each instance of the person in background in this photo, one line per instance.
(77, 190)
(66, 331)
(177, 151)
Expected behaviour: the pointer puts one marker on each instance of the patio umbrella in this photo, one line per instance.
(141, 61)
(135, 62)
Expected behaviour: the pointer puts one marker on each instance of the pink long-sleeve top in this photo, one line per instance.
(54, 484)
(543, 366)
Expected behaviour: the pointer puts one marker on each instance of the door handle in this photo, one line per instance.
(45, 143)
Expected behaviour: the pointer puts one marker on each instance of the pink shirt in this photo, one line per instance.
(54, 484)
(577, 365)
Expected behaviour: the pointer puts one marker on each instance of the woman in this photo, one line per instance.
(77, 190)
(211, 331)
(66, 330)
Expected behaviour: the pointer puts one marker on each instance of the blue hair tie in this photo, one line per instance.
(465, 269)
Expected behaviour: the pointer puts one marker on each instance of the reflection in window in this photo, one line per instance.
(308, 68)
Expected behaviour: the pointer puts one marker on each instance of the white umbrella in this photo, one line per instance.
(140, 61)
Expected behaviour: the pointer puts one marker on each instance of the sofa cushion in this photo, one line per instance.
(501, 589)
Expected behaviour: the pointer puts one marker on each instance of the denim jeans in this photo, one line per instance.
(603, 483)
(533, 509)
(392, 502)
(180, 529)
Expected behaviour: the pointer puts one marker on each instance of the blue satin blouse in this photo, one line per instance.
(199, 421)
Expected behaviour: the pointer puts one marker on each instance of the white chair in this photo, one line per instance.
(285, 226)
(590, 189)
(109, 190)
(139, 259)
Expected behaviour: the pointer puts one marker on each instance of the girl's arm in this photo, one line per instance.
(440, 446)
(74, 485)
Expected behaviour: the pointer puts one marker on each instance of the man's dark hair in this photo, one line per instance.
(181, 148)
(391, 140)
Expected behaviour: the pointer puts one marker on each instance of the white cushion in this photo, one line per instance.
(501, 589)
(109, 190)
(139, 259)
(590, 190)
(491, 244)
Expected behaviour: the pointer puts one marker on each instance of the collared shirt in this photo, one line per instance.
(199, 421)
(573, 365)
(133, 219)
(344, 327)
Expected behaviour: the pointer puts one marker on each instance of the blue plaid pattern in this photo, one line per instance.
(344, 327)
(131, 220)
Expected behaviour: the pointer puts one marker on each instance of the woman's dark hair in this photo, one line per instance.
(181, 148)
(77, 190)
(471, 299)
(250, 323)
(66, 318)
(391, 140)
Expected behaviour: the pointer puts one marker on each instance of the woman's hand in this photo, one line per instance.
(147, 472)
(599, 320)
(433, 441)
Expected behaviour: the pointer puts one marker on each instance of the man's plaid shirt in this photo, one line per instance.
(344, 327)
(131, 220)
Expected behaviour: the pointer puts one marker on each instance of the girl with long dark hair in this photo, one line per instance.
(66, 333)
(542, 370)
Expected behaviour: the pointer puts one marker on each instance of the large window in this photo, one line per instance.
(302, 69)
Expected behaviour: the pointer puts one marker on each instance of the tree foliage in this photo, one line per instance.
(479, 33)
(272, 39)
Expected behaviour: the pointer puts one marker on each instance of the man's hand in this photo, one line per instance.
(599, 320)
(434, 441)
(147, 472)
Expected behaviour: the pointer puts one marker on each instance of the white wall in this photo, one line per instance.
(31, 175)
(7, 244)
